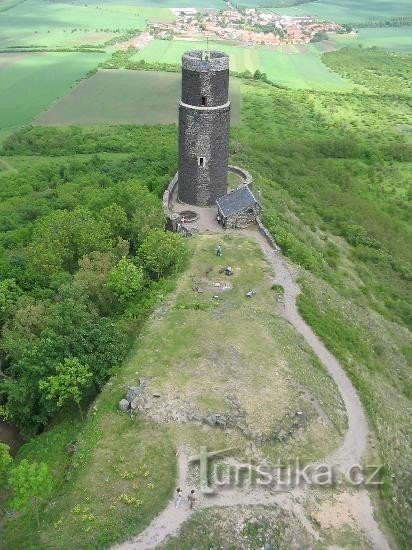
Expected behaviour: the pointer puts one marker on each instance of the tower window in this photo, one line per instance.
(203, 100)
(201, 161)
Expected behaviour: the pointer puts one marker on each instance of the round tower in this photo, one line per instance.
(204, 121)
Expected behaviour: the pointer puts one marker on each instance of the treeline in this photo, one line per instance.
(248, 75)
(121, 59)
(63, 49)
(55, 141)
(402, 21)
(83, 254)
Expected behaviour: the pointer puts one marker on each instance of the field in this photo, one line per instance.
(32, 82)
(293, 66)
(350, 10)
(339, 10)
(33, 22)
(388, 38)
(125, 97)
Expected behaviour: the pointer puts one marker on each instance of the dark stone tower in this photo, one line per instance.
(204, 119)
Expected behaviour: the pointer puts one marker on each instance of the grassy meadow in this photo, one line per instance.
(125, 97)
(292, 66)
(338, 10)
(336, 187)
(241, 352)
(388, 38)
(352, 11)
(29, 83)
(39, 23)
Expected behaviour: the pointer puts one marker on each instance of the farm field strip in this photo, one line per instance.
(391, 38)
(125, 97)
(289, 65)
(349, 10)
(55, 24)
(31, 84)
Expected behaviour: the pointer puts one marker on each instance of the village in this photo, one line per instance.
(247, 26)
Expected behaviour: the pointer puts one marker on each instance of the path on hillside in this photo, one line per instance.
(350, 453)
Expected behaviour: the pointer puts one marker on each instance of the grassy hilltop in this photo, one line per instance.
(86, 155)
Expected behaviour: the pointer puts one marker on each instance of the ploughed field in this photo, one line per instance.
(119, 96)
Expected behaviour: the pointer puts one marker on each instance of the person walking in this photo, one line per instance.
(219, 250)
(191, 498)
(179, 495)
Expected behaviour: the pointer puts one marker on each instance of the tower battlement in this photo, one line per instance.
(198, 60)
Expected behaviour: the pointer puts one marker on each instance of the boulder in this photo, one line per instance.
(124, 405)
(211, 420)
(133, 392)
(135, 403)
(220, 422)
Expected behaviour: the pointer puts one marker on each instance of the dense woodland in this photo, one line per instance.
(83, 255)
(82, 244)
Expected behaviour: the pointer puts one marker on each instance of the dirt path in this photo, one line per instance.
(349, 453)
(355, 441)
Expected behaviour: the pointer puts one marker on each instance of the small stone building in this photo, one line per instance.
(238, 208)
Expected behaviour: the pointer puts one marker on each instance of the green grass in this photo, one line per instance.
(335, 171)
(299, 70)
(31, 84)
(350, 10)
(389, 38)
(286, 66)
(125, 97)
(372, 351)
(34, 22)
(233, 339)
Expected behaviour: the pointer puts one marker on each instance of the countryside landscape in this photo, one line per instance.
(143, 352)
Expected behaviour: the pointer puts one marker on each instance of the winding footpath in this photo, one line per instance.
(350, 453)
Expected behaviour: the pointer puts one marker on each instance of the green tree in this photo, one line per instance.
(31, 484)
(5, 463)
(9, 293)
(92, 276)
(162, 252)
(115, 217)
(61, 238)
(71, 328)
(142, 207)
(125, 280)
(69, 383)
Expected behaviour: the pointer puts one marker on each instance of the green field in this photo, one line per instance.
(292, 66)
(388, 38)
(34, 22)
(350, 10)
(125, 97)
(33, 82)
(339, 10)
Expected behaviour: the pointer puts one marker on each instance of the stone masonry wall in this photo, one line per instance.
(204, 121)
(203, 134)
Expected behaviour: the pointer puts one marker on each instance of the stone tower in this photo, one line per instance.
(204, 120)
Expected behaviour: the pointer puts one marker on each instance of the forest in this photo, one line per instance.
(82, 244)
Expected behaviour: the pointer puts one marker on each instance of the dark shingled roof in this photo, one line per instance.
(236, 201)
